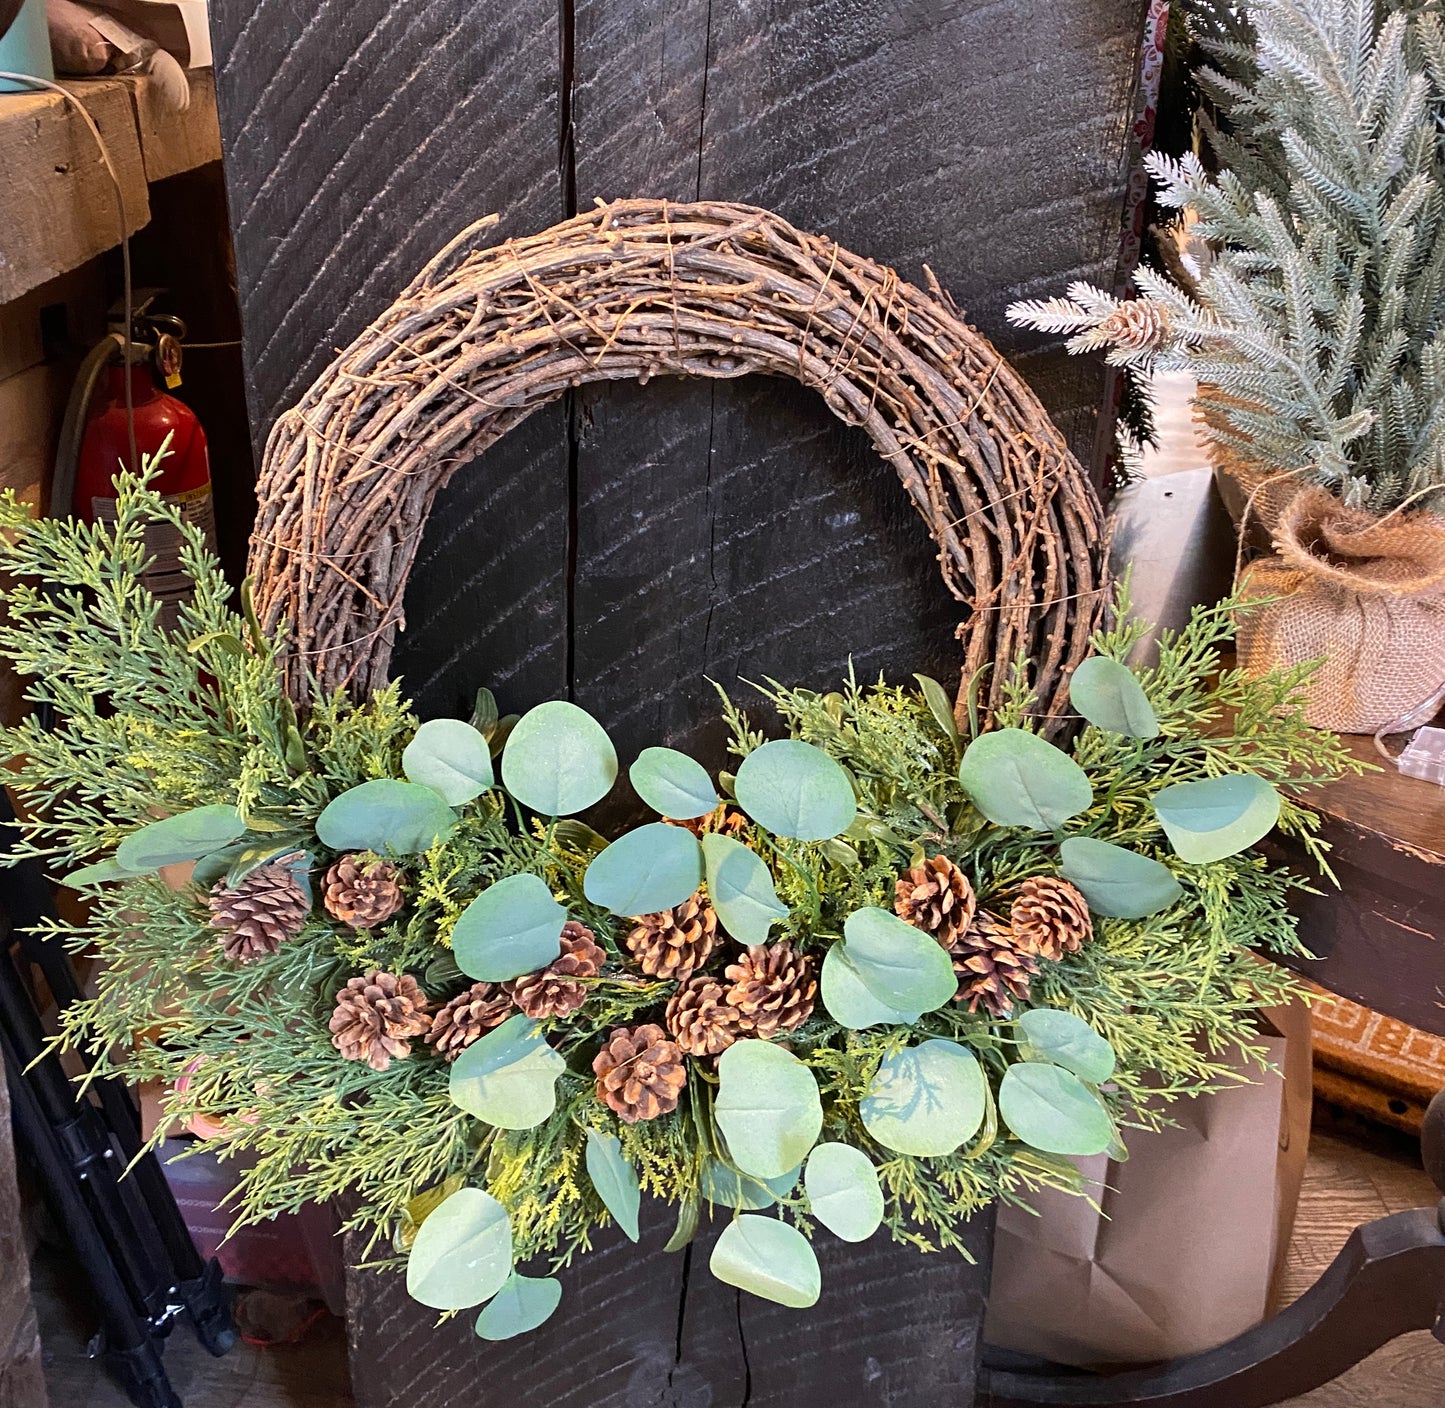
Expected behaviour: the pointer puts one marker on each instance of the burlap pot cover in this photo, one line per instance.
(1365, 594)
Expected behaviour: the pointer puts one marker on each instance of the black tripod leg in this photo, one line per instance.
(130, 1353)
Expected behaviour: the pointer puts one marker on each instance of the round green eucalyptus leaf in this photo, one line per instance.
(615, 1180)
(512, 928)
(1107, 694)
(926, 1100)
(1068, 1041)
(767, 1107)
(673, 784)
(900, 966)
(1117, 883)
(385, 816)
(650, 869)
(1216, 816)
(103, 871)
(558, 760)
(741, 889)
(1016, 778)
(1053, 1110)
(508, 1079)
(450, 756)
(843, 1191)
(523, 1303)
(767, 1258)
(726, 1187)
(462, 1254)
(796, 790)
(848, 1000)
(185, 836)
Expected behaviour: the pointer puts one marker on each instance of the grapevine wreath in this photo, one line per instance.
(907, 959)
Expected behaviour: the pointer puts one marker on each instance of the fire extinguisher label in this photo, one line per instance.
(164, 578)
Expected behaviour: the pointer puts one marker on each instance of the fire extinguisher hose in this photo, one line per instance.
(72, 428)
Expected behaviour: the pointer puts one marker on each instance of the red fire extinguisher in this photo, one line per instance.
(102, 435)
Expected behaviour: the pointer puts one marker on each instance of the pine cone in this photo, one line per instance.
(640, 1073)
(700, 1018)
(1139, 325)
(362, 890)
(376, 1016)
(262, 912)
(723, 818)
(1050, 918)
(773, 989)
(470, 1015)
(554, 992)
(992, 970)
(937, 898)
(677, 942)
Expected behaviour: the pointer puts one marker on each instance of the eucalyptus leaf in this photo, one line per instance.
(939, 705)
(523, 1303)
(899, 965)
(98, 874)
(1216, 816)
(615, 1180)
(849, 1001)
(512, 928)
(1016, 778)
(246, 858)
(185, 836)
(451, 757)
(558, 760)
(484, 713)
(497, 739)
(767, 1258)
(741, 889)
(462, 1254)
(1053, 1110)
(686, 1228)
(581, 837)
(1108, 695)
(796, 790)
(385, 816)
(1068, 1041)
(843, 1191)
(213, 868)
(926, 1100)
(767, 1107)
(646, 870)
(726, 1187)
(673, 784)
(1118, 883)
(508, 1079)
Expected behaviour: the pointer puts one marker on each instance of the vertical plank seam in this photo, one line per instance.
(572, 404)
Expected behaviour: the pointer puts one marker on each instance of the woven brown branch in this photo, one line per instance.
(645, 288)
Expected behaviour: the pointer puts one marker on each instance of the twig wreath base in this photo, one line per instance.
(642, 288)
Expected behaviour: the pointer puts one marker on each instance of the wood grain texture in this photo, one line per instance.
(22, 1379)
(638, 1326)
(359, 138)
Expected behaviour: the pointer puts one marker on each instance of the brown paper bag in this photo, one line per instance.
(1192, 1236)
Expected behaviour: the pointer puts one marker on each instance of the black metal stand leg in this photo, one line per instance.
(1388, 1281)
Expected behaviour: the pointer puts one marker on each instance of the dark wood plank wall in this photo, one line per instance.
(718, 530)
(626, 542)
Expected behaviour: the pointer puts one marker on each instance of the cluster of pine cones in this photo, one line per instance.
(270, 906)
(994, 956)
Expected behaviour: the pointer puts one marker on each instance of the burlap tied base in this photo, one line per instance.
(1364, 594)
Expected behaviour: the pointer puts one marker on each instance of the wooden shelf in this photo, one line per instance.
(60, 206)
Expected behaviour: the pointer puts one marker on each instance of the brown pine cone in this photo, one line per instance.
(937, 898)
(723, 818)
(554, 992)
(772, 988)
(640, 1073)
(261, 913)
(376, 1017)
(1050, 918)
(470, 1015)
(677, 942)
(362, 890)
(700, 1018)
(993, 972)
